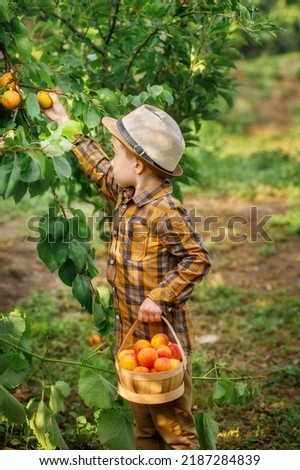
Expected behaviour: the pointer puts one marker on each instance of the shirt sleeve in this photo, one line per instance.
(96, 165)
(177, 235)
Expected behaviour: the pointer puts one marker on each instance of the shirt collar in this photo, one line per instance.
(146, 196)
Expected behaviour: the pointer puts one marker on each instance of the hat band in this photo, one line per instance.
(138, 148)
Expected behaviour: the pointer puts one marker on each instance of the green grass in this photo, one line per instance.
(260, 174)
(259, 335)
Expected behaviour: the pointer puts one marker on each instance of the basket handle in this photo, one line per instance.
(137, 323)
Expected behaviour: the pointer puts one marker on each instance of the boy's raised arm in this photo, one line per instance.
(88, 152)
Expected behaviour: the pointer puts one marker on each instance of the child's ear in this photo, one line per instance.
(139, 167)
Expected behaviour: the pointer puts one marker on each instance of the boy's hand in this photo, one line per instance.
(57, 113)
(149, 311)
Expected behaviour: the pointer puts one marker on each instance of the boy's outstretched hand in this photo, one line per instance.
(57, 113)
(149, 311)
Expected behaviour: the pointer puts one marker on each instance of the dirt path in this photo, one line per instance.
(236, 231)
(21, 269)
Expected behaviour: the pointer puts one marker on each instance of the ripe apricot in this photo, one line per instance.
(142, 370)
(44, 99)
(129, 361)
(158, 339)
(7, 80)
(176, 353)
(123, 352)
(147, 357)
(162, 364)
(140, 344)
(94, 340)
(11, 99)
(174, 363)
(164, 351)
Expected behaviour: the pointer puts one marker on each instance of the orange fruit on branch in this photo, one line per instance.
(11, 99)
(44, 99)
(7, 80)
(94, 340)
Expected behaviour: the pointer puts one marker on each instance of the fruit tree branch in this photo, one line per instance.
(138, 50)
(112, 23)
(80, 35)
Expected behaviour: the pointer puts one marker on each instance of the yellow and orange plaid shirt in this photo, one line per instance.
(154, 251)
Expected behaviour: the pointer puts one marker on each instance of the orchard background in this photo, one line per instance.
(228, 72)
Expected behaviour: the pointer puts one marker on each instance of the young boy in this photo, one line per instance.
(155, 257)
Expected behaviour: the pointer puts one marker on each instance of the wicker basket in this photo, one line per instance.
(153, 388)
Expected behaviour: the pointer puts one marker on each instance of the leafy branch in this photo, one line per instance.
(79, 35)
(134, 56)
(58, 361)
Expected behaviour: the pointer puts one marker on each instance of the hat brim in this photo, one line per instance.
(111, 125)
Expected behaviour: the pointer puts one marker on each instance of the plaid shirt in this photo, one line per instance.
(153, 252)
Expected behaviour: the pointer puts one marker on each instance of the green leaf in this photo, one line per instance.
(104, 295)
(91, 380)
(67, 272)
(30, 170)
(98, 315)
(12, 327)
(45, 427)
(222, 391)
(14, 369)
(20, 191)
(207, 430)
(91, 117)
(32, 105)
(45, 252)
(53, 254)
(11, 408)
(168, 97)
(5, 172)
(62, 168)
(92, 269)
(79, 228)
(24, 46)
(13, 182)
(70, 129)
(156, 90)
(58, 228)
(58, 393)
(47, 170)
(82, 291)
(115, 430)
(240, 393)
(5, 14)
(78, 252)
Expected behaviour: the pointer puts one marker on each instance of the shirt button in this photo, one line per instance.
(169, 309)
(124, 206)
(114, 232)
(117, 317)
(111, 261)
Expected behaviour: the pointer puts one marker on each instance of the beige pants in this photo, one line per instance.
(168, 425)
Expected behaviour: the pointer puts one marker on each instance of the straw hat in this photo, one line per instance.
(152, 136)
